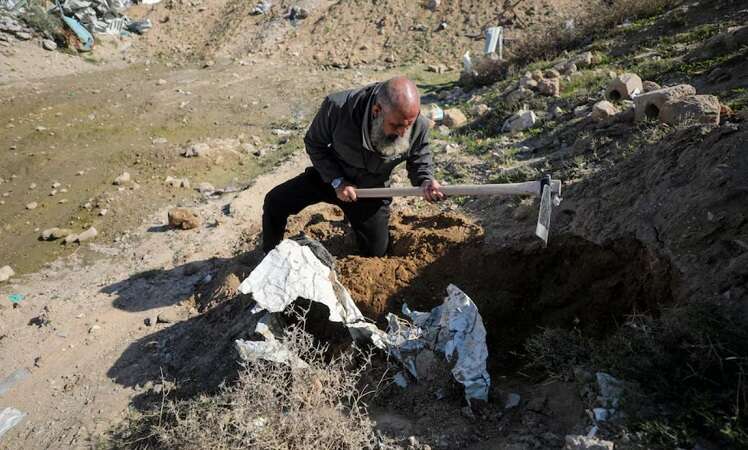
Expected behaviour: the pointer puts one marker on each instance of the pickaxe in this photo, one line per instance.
(547, 189)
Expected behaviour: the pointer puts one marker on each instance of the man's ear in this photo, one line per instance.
(376, 110)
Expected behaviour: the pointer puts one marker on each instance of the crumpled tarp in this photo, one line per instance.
(10, 417)
(292, 271)
(455, 329)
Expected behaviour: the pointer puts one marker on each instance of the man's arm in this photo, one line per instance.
(318, 142)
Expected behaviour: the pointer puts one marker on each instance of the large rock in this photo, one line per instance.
(518, 95)
(183, 218)
(579, 442)
(701, 109)
(649, 104)
(603, 111)
(5, 273)
(519, 121)
(625, 86)
(550, 86)
(454, 118)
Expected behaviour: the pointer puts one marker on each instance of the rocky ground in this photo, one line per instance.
(653, 213)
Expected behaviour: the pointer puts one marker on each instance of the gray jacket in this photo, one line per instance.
(339, 146)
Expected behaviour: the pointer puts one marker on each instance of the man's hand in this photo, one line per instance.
(432, 191)
(346, 192)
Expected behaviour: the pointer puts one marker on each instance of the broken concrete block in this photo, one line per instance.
(550, 87)
(649, 104)
(580, 442)
(701, 109)
(454, 118)
(624, 87)
(603, 111)
(520, 121)
(183, 218)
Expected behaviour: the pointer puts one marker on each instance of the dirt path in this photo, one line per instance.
(73, 324)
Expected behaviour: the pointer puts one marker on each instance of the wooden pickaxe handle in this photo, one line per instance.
(526, 188)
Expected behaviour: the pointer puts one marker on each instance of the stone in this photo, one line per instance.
(556, 112)
(169, 316)
(161, 82)
(723, 43)
(649, 104)
(550, 87)
(512, 401)
(208, 64)
(55, 233)
(87, 235)
(551, 73)
(581, 111)
(454, 118)
(537, 75)
(183, 218)
(433, 5)
(480, 109)
(159, 141)
(584, 59)
(196, 150)
(205, 187)
(122, 179)
(31, 205)
(649, 86)
(49, 44)
(603, 111)
(700, 109)
(610, 388)
(6, 272)
(438, 68)
(518, 95)
(580, 442)
(177, 182)
(569, 68)
(23, 36)
(624, 87)
(520, 121)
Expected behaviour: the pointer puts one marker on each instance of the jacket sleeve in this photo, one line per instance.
(318, 142)
(420, 163)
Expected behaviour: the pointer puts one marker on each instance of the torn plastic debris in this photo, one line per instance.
(270, 349)
(139, 26)
(453, 327)
(9, 417)
(13, 379)
(262, 7)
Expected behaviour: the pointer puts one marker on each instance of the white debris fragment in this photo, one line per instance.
(270, 349)
(455, 329)
(10, 417)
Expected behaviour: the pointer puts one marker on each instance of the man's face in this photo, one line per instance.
(390, 130)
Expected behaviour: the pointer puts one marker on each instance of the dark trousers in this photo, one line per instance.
(369, 217)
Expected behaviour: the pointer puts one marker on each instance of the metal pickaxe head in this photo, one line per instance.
(550, 195)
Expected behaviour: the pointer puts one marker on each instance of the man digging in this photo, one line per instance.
(355, 141)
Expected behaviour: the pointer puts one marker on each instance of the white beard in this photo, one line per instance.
(385, 145)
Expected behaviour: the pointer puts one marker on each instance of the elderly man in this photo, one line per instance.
(356, 139)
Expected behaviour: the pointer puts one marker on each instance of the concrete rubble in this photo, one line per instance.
(624, 87)
(649, 105)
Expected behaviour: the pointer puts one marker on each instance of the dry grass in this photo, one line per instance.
(271, 406)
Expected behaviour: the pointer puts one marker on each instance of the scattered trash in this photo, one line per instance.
(455, 329)
(494, 36)
(512, 401)
(262, 7)
(10, 417)
(86, 40)
(292, 271)
(13, 379)
(16, 298)
(139, 26)
(400, 380)
(467, 63)
(270, 349)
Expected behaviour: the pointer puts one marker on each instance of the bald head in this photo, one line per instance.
(397, 107)
(400, 95)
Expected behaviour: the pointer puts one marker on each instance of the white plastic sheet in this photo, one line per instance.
(291, 271)
(10, 417)
(455, 328)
